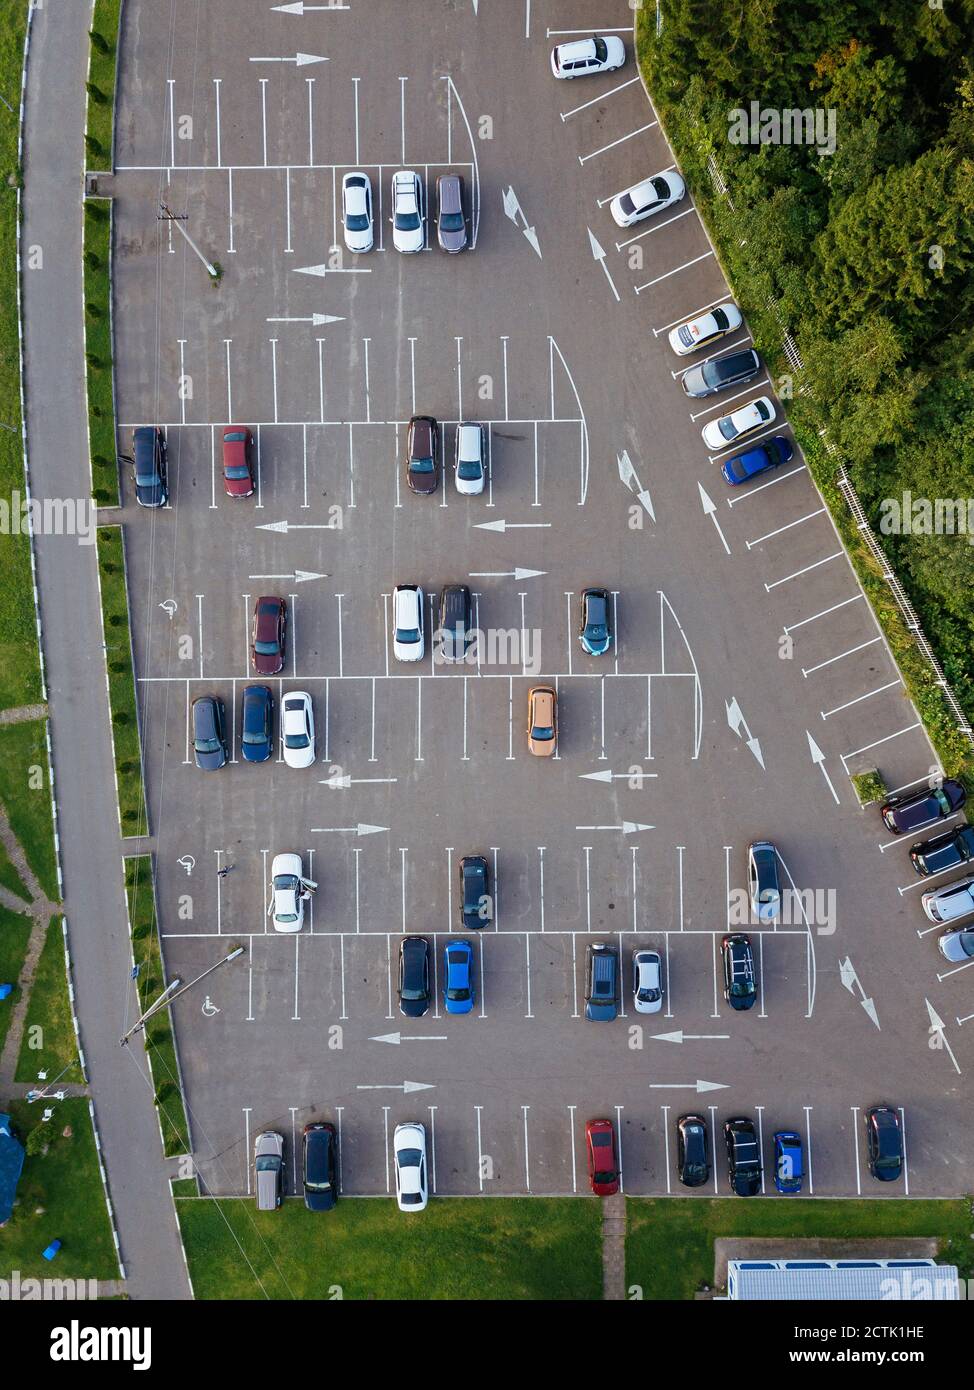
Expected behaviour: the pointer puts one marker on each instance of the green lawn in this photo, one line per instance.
(159, 1035)
(14, 935)
(59, 1197)
(121, 680)
(101, 79)
(98, 352)
(670, 1245)
(26, 795)
(49, 1044)
(459, 1248)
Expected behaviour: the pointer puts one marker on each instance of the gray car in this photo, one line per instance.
(269, 1170)
(721, 372)
(451, 225)
(209, 732)
(957, 946)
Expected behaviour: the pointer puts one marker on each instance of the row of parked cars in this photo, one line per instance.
(408, 212)
(211, 748)
(952, 849)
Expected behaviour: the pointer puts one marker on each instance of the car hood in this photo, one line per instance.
(209, 761)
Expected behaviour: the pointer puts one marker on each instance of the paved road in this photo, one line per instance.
(67, 577)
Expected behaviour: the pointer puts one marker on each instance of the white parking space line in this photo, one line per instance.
(553, 33)
(679, 852)
(753, 491)
(830, 661)
(713, 1142)
(311, 123)
(799, 521)
(906, 1162)
(666, 1144)
(527, 973)
(685, 266)
(922, 880)
(584, 158)
(807, 570)
(571, 1145)
(847, 757)
(595, 100)
(827, 714)
(527, 1163)
(495, 905)
(389, 1013)
(619, 1109)
(656, 227)
(855, 1142)
(480, 1148)
(402, 117)
(246, 1153)
(403, 851)
(449, 888)
(385, 1128)
(633, 849)
(793, 627)
(294, 1149)
(263, 113)
(724, 401)
(759, 1109)
(355, 82)
(723, 351)
(541, 850)
(432, 1113)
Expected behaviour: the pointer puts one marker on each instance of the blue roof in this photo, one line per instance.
(11, 1163)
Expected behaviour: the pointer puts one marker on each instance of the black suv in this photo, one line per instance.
(209, 732)
(414, 976)
(318, 1166)
(455, 629)
(740, 990)
(475, 904)
(721, 372)
(743, 1156)
(947, 851)
(692, 1150)
(149, 466)
(884, 1143)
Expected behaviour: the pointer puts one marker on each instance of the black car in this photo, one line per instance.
(256, 724)
(721, 372)
(950, 850)
(596, 630)
(414, 976)
(318, 1166)
(149, 466)
(740, 990)
(455, 627)
(692, 1150)
(743, 1156)
(902, 813)
(884, 1143)
(475, 903)
(209, 732)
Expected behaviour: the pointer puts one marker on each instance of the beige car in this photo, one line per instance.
(542, 720)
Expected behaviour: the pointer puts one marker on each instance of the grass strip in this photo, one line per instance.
(121, 680)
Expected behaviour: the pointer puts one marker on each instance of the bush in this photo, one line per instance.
(93, 310)
(96, 94)
(99, 41)
(95, 147)
(38, 1139)
(868, 787)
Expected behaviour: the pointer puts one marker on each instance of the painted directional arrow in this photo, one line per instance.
(344, 781)
(628, 827)
(514, 210)
(737, 722)
(348, 829)
(598, 254)
(298, 577)
(397, 1038)
(285, 526)
(332, 269)
(679, 1036)
(628, 475)
(405, 1086)
(506, 574)
(608, 776)
(937, 1031)
(316, 320)
(299, 7)
(698, 1086)
(503, 526)
(301, 59)
(819, 757)
(710, 509)
(848, 976)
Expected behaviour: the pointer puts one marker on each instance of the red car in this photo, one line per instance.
(267, 646)
(238, 472)
(603, 1162)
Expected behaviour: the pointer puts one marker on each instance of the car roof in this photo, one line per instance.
(578, 48)
(407, 600)
(286, 863)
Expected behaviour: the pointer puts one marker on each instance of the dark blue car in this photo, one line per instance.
(760, 459)
(789, 1170)
(256, 724)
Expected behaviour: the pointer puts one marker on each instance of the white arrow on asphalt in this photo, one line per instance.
(608, 776)
(598, 254)
(628, 827)
(627, 474)
(405, 1086)
(299, 7)
(285, 526)
(737, 722)
(298, 577)
(514, 210)
(506, 574)
(819, 757)
(344, 781)
(710, 509)
(348, 829)
(849, 978)
(503, 526)
(316, 320)
(937, 1031)
(679, 1036)
(698, 1086)
(397, 1038)
(332, 269)
(301, 59)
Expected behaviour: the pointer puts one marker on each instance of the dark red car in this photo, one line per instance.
(423, 454)
(603, 1162)
(238, 471)
(270, 626)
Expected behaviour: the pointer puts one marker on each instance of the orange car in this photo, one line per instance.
(542, 720)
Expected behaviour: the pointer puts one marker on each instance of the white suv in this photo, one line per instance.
(408, 642)
(407, 211)
(587, 56)
(470, 470)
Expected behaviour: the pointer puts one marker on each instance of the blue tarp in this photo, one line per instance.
(11, 1163)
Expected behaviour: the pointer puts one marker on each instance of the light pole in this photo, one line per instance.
(172, 991)
(177, 222)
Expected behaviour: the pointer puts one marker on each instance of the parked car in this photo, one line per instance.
(256, 724)
(269, 636)
(705, 329)
(761, 459)
(603, 1157)
(903, 813)
(149, 466)
(455, 624)
(357, 222)
(542, 720)
(476, 908)
(721, 372)
(210, 732)
(458, 987)
(470, 463)
(762, 880)
(408, 642)
(451, 225)
(584, 57)
(407, 211)
(409, 1152)
(947, 904)
(319, 1166)
(692, 1150)
(740, 989)
(951, 850)
(647, 982)
(743, 1156)
(645, 199)
(884, 1143)
(238, 467)
(727, 429)
(957, 946)
(789, 1169)
(423, 455)
(290, 891)
(298, 729)
(269, 1173)
(601, 982)
(414, 976)
(595, 634)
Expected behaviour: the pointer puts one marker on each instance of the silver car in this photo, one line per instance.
(647, 982)
(269, 1170)
(947, 904)
(451, 225)
(957, 946)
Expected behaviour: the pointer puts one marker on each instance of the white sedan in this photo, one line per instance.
(587, 56)
(706, 329)
(297, 729)
(357, 212)
(407, 211)
(291, 890)
(647, 982)
(408, 641)
(728, 429)
(470, 471)
(409, 1149)
(647, 198)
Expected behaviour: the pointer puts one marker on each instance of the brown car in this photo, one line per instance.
(423, 455)
(542, 720)
(267, 645)
(238, 473)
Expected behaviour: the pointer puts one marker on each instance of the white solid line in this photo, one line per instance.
(799, 521)
(685, 266)
(859, 698)
(806, 570)
(585, 104)
(726, 400)
(856, 751)
(583, 158)
(656, 227)
(753, 491)
(793, 627)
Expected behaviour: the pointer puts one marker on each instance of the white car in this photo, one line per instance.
(297, 729)
(409, 1150)
(947, 904)
(701, 332)
(470, 469)
(408, 641)
(291, 892)
(647, 982)
(357, 212)
(586, 56)
(407, 211)
(728, 429)
(647, 198)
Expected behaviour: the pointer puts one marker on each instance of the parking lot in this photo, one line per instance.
(748, 676)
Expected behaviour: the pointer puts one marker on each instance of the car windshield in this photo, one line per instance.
(409, 1158)
(458, 994)
(468, 471)
(146, 479)
(601, 50)
(266, 648)
(542, 731)
(296, 740)
(237, 471)
(207, 745)
(648, 995)
(267, 1163)
(740, 988)
(421, 465)
(318, 1186)
(727, 427)
(660, 187)
(254, 735)
(407, 634)
(286, 883)
(407, 221)
(235, 437)
(357, 222)
(451, 221)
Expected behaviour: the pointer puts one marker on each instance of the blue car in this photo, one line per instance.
(458, 967)
(257, 724)
(760, 459)
(789, 1169)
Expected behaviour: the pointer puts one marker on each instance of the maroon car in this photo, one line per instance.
(423, 454)
(270, 625)
(238, 472)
